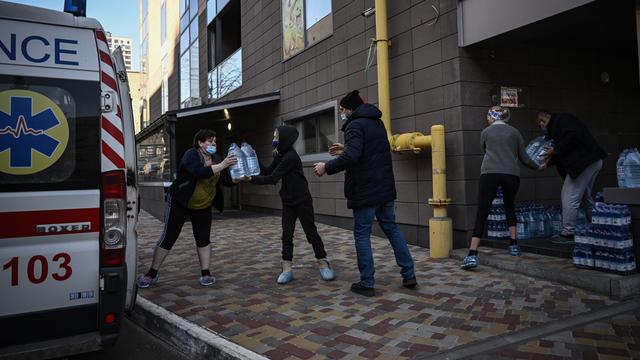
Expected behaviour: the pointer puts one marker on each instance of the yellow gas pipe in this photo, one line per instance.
(440, 226)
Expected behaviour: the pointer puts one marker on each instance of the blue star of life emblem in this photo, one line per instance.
(21, 131)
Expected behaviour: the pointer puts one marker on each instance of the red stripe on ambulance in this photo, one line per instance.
(49, 222)
(110, 122)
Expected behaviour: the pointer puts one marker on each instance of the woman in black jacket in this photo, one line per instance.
(196, 188)
(296, 202)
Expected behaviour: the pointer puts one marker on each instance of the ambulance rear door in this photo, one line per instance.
(50, 180)
(126, 110)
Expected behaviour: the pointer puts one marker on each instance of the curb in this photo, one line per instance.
(615, 286)
(191, 339)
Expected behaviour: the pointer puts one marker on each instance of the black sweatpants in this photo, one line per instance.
(174, 217)
(487, 190)
(304, 212)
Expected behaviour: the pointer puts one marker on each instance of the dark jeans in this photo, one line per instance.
(487, 190)
(304, 212)
(363, 218)
(174, 217)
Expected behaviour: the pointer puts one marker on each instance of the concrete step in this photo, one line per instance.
(559, 270)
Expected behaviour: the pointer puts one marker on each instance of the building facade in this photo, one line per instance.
(244, 67)
(125, 44)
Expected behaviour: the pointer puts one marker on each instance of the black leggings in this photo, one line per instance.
(487, 190)
(174, 217)
(304, 212)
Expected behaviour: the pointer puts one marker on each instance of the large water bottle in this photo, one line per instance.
(253, 166)
(632, 169)
(238, 169)
(620, 168)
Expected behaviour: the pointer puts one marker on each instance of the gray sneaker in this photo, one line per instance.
(469, 262)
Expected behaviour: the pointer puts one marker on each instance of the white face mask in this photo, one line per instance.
(343, 117)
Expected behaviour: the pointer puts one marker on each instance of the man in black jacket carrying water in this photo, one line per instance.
(296, 202)
(369, 187)
(578, 158)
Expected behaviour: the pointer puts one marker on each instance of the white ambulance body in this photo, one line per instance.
(68, 195)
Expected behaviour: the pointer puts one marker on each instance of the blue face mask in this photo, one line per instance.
(275, 143)
(211, 149)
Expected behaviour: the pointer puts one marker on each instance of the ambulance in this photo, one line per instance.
(68, 194)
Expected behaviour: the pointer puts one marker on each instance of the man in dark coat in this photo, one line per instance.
(296, 202)
(578, 158)
(369, 187)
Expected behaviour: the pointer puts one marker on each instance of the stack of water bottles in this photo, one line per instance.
(538, 148)
(247, 161)
(537, 221)
(497, 221)
(606, 244)
(628, 169)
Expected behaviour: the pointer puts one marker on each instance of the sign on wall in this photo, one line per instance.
(509, 97)
(292, 27)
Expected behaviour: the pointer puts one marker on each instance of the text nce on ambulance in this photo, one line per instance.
(68, 197)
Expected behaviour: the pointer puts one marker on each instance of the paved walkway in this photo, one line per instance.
(312, 319)
(615, 338)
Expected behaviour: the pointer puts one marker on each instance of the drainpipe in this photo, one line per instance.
(382, 49)
(440, 227)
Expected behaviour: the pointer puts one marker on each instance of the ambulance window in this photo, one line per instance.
(49, 134)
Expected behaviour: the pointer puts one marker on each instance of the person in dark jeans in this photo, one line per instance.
(503, 148)
(369, 187)
(296, 202)
(196, 189)
(578, 158)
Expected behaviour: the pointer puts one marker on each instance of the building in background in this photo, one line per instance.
(136, 98)
(244, 67)
(125, 44)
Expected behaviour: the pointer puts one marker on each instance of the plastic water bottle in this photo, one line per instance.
(253, 166)
(632, 169)
(620, 169)
(557, 221)
(542, 150)
(238, 169)
(533, 146)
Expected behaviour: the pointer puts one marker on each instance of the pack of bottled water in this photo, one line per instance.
(497, 220)
(628, 169)
(538, 148)
(537, 221)
(606, 244)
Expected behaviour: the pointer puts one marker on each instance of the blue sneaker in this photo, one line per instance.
(207, 280)
(514, 250)
(326, 272)
(287, 273)
(145, 281)
(469, 262)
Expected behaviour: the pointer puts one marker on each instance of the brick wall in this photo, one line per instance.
(432, 82)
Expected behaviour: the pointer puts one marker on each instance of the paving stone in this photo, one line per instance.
(326, 319)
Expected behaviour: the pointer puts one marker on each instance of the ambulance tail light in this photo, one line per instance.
(112, 234)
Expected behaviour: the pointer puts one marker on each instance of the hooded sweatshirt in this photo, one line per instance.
(287, 166)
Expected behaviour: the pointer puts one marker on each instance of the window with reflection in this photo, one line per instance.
(154, 162)
(317, 132)
(189, 57)
(304, 23)
(224, 48)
